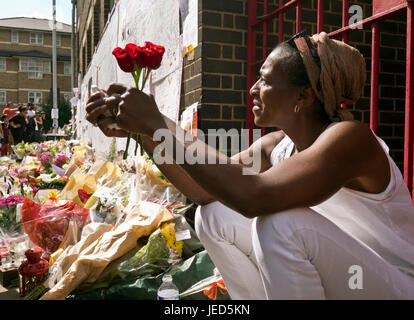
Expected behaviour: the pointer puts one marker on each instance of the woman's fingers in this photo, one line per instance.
(94, 104)
(97, 113)
(116, 88)
(110, 129)
(95, 96)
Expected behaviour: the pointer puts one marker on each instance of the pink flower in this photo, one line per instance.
(14, 172)
(11, 201)
(60, 159)
(45, 157)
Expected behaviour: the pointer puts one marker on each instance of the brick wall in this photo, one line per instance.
(91, 19)
(216, 78)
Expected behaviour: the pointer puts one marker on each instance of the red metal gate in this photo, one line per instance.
(382, 10)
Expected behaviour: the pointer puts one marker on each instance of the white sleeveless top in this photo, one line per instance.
(384, 221)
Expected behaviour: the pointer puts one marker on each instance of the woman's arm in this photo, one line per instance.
(14, 125)
(188, 186)
(339, 155)
(175, 173)
(179, 177)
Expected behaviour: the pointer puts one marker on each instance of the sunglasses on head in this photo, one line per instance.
(312, 49)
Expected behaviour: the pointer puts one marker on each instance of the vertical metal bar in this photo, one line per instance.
(251, 70)
(264, 54)
(280, 26)
(299, 17)
(320, 16)
(265, 9)
(345, 22)
(345, 19)
(375, 76)
(54, 70)
(409, 98)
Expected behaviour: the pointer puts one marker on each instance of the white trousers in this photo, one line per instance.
(295, 254)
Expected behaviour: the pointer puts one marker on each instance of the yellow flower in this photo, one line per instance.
(168, 233)
(52, 195)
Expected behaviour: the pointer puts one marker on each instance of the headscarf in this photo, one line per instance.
(342, 75)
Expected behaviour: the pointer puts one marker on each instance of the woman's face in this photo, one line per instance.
(274, 99)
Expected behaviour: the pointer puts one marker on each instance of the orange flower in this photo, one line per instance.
(211, 291)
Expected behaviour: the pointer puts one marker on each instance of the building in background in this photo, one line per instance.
(91, 18)
(26, 60)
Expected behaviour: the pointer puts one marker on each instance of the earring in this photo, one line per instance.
(296, 109)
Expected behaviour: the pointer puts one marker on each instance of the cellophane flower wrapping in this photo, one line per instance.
(46, 224)
(21, 149)
(12, 236)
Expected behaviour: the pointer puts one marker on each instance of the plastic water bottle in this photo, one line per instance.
(168, 290)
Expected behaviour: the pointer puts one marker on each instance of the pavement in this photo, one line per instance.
(9, 293)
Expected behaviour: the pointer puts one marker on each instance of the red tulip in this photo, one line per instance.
(83, 195)
(153, 55)
(125, 60)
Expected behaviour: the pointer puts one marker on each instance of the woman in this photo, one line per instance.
(18, 125)
(327, 217)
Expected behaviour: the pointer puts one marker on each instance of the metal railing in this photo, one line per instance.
(382, 10)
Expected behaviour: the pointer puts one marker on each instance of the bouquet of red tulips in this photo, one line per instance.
(135, 60)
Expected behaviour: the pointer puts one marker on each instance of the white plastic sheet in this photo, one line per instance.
(135, 22)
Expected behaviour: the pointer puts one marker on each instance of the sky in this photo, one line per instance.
(37, 9)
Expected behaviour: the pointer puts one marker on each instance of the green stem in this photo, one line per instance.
(127, 147)
(145, 77)
(136, 143)
(138, 137)
(141, 144)
(136, 74)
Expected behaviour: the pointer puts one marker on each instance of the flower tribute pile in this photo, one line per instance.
(51, 192)
(97, 220)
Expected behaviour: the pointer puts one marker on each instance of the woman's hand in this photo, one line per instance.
(96, 107)
(138, 113)
(135, 111)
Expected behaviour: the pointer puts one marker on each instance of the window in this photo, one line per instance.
(35, 97)
(3, 97)
(3, 64)
(34, 67)
(36, 38)
(67, 68)
(58, 40)
(15, 36)
(108, 6)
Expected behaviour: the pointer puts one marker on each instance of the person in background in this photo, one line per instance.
(31, 110)
(18, 124)
(43, 116)
(30, 128)
(4, 135)
(39, 128)
(10, 111)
